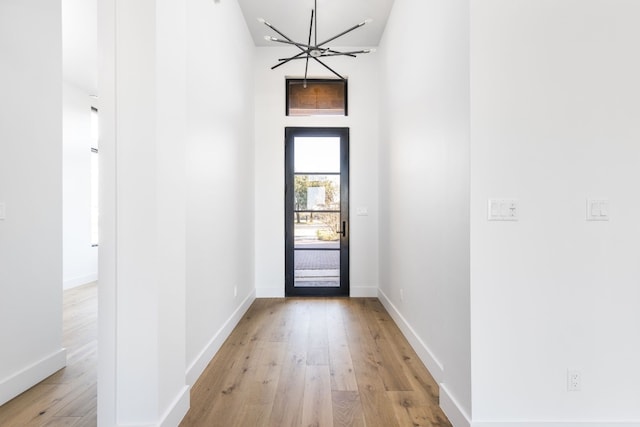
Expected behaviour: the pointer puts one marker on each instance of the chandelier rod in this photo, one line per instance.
(306, 66)
(330, 53)
(355, 27)
(329, 68)
(284, 61)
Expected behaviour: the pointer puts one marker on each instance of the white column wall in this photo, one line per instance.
(270, 123)
(142, 291)
(31, 192)
(555, 113)
(424, 202)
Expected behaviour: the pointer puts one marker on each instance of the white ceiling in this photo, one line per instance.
(292, 17)
(79, 23)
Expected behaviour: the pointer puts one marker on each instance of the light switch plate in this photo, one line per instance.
(597, 210)
(3, 212)
(503, 210)
(362, 211)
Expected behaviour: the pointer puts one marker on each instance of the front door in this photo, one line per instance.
(316, 211)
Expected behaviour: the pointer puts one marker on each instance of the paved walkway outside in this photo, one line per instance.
(315, 268)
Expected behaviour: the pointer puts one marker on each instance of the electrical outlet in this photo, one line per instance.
(574, 380)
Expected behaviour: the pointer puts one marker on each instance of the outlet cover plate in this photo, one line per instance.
(574, 380)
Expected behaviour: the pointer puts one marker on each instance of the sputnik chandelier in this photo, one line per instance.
(316, 50)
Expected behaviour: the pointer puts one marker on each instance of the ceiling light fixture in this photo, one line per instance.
(316, 50)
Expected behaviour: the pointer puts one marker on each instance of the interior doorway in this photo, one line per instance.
(316, 211)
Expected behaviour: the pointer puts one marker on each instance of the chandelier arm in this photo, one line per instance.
(301, 57)
(302, 46)
(352, 54)
(298, 45)
(311, 27)
(334, 52)
(355, 27)
(329, 68)
(306, 69)
(276, 30)
(285, 60)
(315, 8)
(306, 66)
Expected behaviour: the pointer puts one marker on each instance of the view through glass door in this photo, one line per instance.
(317, 211)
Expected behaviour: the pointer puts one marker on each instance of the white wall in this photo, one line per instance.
(176, 199)
(219, 193)
(80, 44)
(80, 260)
(142, 293)
(555, 113)
(270, 121)
(424, 202)
(31, 190)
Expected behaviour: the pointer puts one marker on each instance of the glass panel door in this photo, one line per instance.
(317, 254)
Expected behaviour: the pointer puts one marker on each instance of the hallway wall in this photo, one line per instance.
(80, 259)
(219, 162)
(555, 113)
(31, 192)
(553, 121)
(424, 202)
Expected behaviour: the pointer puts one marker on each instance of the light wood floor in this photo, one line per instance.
(68, 397)
(289, 362)
(315, 362)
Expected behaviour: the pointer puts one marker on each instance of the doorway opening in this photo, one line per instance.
(316, 211)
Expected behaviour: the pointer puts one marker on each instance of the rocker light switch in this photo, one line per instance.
(362, 211)
(3, 212)
(597, 210)
(503, 210)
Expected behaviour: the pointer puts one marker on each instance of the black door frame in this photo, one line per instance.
(289, 200)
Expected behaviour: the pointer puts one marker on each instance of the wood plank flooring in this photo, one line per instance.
(289, 362)
(68, 397)
(315, 362)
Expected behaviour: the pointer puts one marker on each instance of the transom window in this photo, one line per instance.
(316, 97)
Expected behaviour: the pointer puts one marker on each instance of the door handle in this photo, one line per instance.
(344, 229)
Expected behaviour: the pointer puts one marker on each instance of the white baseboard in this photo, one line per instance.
(424, 353)
(79, 281)
(363, 292)
(452, 409)
(519, 423)
(177, 410)
(31, 375)
(270, 292)
(200, 363)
